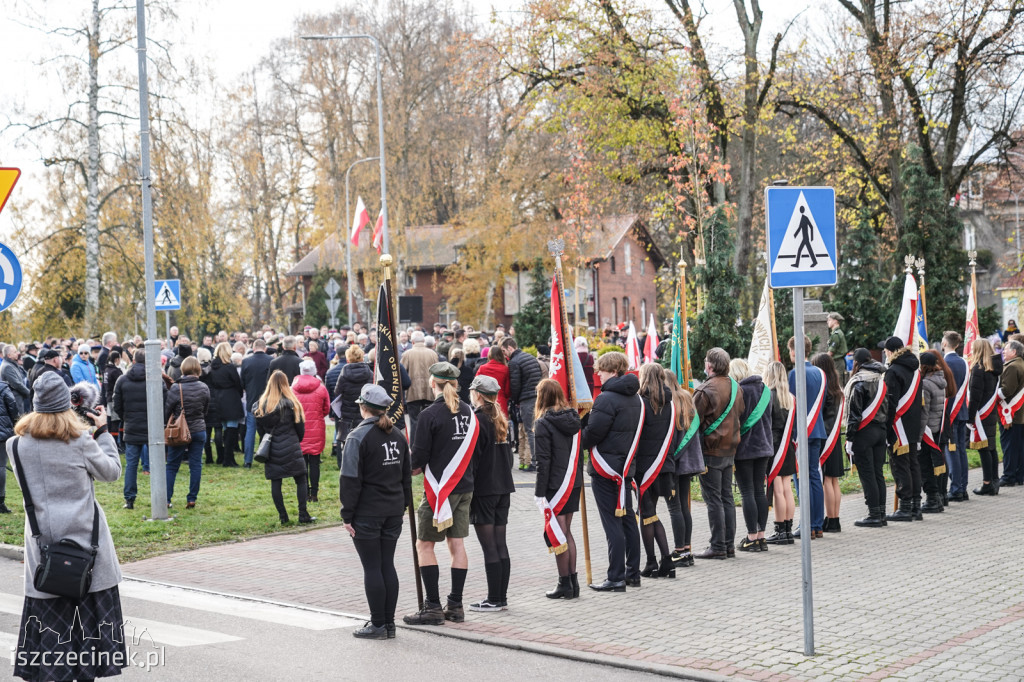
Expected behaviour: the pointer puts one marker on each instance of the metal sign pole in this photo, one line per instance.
(805, 476)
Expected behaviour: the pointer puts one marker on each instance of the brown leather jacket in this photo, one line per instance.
(711, 399)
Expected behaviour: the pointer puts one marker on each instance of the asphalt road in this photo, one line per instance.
(200, 636)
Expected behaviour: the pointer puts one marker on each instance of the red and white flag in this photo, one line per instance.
(971, 332)
(633, 348)
(907, 322)
(378, 230)
(651, 343)
(360, 220)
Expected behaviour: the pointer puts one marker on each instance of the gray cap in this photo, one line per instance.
(373, 395)
(485, 384)
(444, 370)
(51, 394)
(836, 316)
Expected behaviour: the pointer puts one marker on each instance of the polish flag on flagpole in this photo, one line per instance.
(907, 321)
(972, 333)
(378, 231)
(360, 220)
(633, 348)
(651, 342)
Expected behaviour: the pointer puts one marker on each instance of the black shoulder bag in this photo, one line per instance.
(65, 567)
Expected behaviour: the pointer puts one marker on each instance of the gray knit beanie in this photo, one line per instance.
(51, 394)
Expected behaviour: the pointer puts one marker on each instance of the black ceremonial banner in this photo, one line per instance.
(386, 371)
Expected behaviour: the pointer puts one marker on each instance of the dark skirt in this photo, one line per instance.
(90, 630)
(572, 505)
(789, 464)
(834, 464)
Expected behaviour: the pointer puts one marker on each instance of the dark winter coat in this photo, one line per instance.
(690, 459)
(351, 380)
(110, 376)
(197, 399)
(130, 404)
(983, 385)
(587, 360)
(8, 412)
(933, 390)
(757, 442)
(331, 380)
(780, 416)
(376, 473)
(861, 391)
(285, 459)
(613, 421)
(467, 373)
(898, 379)
(656, 427)
(254, 376)
(212, 411)
(492, 461)
(553, 433)
(288, 362)
(523, 376)
(319, 359)
(226, 391)
(711, 400)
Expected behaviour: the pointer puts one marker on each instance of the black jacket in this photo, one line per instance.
(8, 412)
(353, 377)
(613, 422)
(898, 379)
(110, 376)
(757, 442)
(492, 462)
(656, 427)
(330, 381)
(553, 433)
(255, 374)
(979, 391)
(467, 373)
(226, 391)
(523, 376)
(862, 390)
(285, 459)
(376, 473)
(438, 436)
(288, 362)
(779, 417)
(130, 404)
(197, 399)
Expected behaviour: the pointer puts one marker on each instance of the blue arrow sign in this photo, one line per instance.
(801, 226)
(10, 277)
(168, 294)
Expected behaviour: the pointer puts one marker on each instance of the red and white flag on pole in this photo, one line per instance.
(907, 322)
(378, 230)
(651, 343)
(633, 348)
(360, 220)
(971, 334)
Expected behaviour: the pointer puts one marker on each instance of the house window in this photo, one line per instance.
(625, 309)
(628, 252)
(612, 263)
(643, 310)
(615, 311)
(410, 280)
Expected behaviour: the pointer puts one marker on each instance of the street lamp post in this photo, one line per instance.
(380, 126)
(348, 240)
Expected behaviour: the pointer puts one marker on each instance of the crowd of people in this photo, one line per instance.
(475, 399)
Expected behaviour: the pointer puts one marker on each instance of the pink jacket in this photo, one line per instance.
(315, 403)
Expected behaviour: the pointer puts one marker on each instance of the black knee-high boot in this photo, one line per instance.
(230, 446)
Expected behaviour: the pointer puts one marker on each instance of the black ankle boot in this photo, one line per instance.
(834, 527)
(563, 590)
(667, 569)
(826, 525)
(574, 579)
(904, 513)
(779, 536)
(230, 446)
(790, 538)
(874, 519)
(933, 505)
(916, 510)
(651, 569)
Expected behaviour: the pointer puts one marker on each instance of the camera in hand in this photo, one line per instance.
(84, 398)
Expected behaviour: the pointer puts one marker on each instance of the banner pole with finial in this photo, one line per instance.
(919, 263)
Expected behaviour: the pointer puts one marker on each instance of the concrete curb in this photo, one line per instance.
(15, 552)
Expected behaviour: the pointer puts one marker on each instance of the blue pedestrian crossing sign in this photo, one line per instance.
(168, 294)
(801, 225)
(10, 277)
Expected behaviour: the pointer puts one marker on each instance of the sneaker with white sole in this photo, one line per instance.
(488, 605)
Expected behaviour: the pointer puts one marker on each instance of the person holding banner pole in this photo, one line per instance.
(816, 436)
(865, 419)
(983, 394)
(559, 461)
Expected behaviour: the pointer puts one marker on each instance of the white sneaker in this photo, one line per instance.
(487, 605)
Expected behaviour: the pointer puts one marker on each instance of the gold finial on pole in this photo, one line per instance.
(386, 261)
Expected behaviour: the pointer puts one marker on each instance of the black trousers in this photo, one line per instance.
(907, 473)
(621, 532)
(377, 555)
(928, 459)
(750, 477)
(989, 463)
(313, 473)
(679, 512)
(300, 492)
(869, 456)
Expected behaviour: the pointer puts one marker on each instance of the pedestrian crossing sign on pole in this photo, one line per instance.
(168, 294)
(801, 226)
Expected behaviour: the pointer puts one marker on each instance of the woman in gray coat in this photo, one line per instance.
(54, 445)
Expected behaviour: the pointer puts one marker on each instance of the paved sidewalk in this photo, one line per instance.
(941, 599)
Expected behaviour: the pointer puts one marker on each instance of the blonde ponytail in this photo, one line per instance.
(451, 395)
(492, 410)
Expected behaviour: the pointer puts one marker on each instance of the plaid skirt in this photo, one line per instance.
(63, 640)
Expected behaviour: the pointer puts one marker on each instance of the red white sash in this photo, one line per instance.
(604, 469)
(652, 472)
(1008, 408)
(815, 408)
(553, 507)
(871, 410)
(929, 436)
(960, 399)
(833, 437)
(438, 491)
(780, 454)
(979, 439)
(902, 439)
